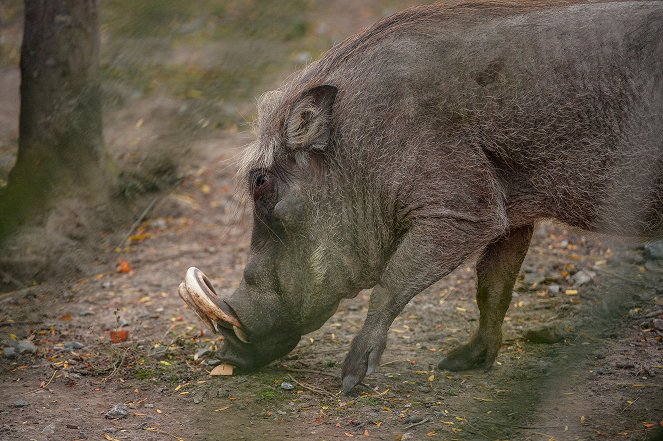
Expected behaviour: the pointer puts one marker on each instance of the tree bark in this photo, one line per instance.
(60, 145)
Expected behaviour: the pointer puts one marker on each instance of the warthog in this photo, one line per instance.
(441, 134)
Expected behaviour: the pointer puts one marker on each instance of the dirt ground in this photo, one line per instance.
(582, 357)
(601, 380)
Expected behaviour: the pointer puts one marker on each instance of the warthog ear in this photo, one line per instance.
(309, 123)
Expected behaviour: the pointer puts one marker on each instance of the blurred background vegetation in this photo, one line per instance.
(178, 69)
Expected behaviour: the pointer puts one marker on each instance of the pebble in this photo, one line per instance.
(287, 386)
(625, 365)
(148, 406)
(412, 419)
(658, 324)
(553, 289)
(200, 353)
(26, 346)
(20, 403)
(85, 313)
(123, 323)
(9, 352)
(117, 411)
(654, 250)
(582, 277)
(213, 362)
(73, 345)
(545, 335)
(49, 429)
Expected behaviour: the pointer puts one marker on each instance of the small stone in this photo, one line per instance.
(118, 411)
(148, 406)
(85, 313)
(553, 289)
(625, 365)
(657, 324)
(9, 353)
(20, 403)
(533, 279)
(582, 277)
(287, 386)
(213, 362)
(106, 284)
(123, 323)
(73, 345)
(654, 250)
(412, 419)
(49, 429)
(200, 353)
(197, 400)
(545, 335)
(26, 346)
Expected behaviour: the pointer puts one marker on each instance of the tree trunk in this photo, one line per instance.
(60, 145)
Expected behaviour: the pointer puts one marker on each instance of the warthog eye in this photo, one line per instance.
(262, 184)
(260, 181)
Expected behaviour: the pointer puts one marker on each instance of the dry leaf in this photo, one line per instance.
(119, 336)
(123, 267)
(222, 369)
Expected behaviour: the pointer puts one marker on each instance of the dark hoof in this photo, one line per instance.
(473, 355)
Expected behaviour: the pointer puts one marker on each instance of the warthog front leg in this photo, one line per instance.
(423, 257)
(497, 270)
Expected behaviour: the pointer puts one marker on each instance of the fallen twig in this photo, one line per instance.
(650, 315)
(624, 278)
(138, 221)
(418, 423)
(312, 388)
(19, 323)
(117, 365)
(309, 371)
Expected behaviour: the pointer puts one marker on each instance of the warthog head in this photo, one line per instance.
(303, 257)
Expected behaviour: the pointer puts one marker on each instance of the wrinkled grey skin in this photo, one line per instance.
(441, 134)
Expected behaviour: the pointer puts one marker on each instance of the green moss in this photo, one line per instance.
(144, 374)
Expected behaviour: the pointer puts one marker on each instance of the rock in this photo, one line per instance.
(413, 419)
(85, 313)
(582, 277)
(148, 406)
(287, 386)
(657, 324)
(654, 250)
(49, 429)
(544, 335)
(9, 353)
(533, 279)
(655, 266)
(20, 403)
(118, 411)
(213, 362)
(200, 353)
(624, 365)
(26, 346)
(73, 345)
(197, 400)
(123, 323)
(553, 289)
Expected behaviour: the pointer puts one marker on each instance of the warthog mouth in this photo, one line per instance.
(197, 291)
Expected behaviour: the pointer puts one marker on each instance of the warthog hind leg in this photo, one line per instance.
(497, 270)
